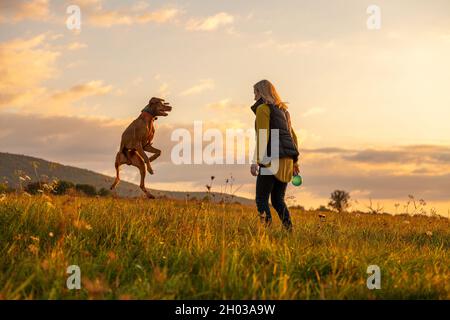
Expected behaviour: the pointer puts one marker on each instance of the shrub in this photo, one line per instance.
(34, 187)
(62, 187)
(104, 192)
(87, 189)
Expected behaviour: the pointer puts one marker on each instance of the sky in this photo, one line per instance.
(370, 107)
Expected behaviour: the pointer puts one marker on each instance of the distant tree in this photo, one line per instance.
(33, 187)
(340, 200)
(87, 189)
(103, 192)
(299, 207)
(62, 187)
(4, 188)
(323, 209)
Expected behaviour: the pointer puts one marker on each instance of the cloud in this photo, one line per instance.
(24, 65)
(285, 47)
(314, 111)
(202, 86)
(19, 10)
(226, 105)
(113, 18)
(210, 23)
(92, 88)
(237, 114)
(92, 143)
(419, 155)
(76, 46)
(82, 142)
(389, 173)
(138, 13)
(163, 90)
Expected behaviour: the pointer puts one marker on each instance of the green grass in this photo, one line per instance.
(140, 249)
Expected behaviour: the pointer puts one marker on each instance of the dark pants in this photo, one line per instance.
(269, 185)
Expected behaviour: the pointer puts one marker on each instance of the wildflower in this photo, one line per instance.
(34, 249)
(96, 288)
(429, 233)
(51, 235)
(34, 238)
(49, 205)
(45, 264)
(81, 224)
(111, 256)
(18, 237)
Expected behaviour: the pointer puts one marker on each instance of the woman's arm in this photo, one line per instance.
(262, 130)
(294, 137)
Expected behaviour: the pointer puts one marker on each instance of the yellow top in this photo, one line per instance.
(286, 165)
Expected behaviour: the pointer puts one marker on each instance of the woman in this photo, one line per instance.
(271, 113)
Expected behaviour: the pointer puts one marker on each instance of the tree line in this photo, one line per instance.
(60, 187)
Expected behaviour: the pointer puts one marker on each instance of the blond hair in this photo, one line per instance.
(269, 94)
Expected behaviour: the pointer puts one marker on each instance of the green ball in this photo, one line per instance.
(297, 181)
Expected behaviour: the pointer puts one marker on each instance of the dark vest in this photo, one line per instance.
(279, 119)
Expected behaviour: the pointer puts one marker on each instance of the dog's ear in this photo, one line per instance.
(155, 100)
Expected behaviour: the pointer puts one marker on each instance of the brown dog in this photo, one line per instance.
(137, 139)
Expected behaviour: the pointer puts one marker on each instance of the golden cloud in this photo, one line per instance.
(210, 23)
(202, 86)
(24, 65)
(92, 88)
(18, 10)
(98, 16)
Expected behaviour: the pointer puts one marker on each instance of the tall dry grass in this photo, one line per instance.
(140, 249)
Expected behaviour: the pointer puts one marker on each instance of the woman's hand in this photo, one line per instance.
(296, 169)
(254, 169)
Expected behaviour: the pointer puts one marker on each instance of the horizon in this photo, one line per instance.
(370, 107)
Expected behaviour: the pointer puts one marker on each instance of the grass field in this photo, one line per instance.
(140, 249)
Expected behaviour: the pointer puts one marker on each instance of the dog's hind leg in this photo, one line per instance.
(120, 159)
(138, 162)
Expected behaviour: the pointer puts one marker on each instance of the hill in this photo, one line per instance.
(13, 165)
